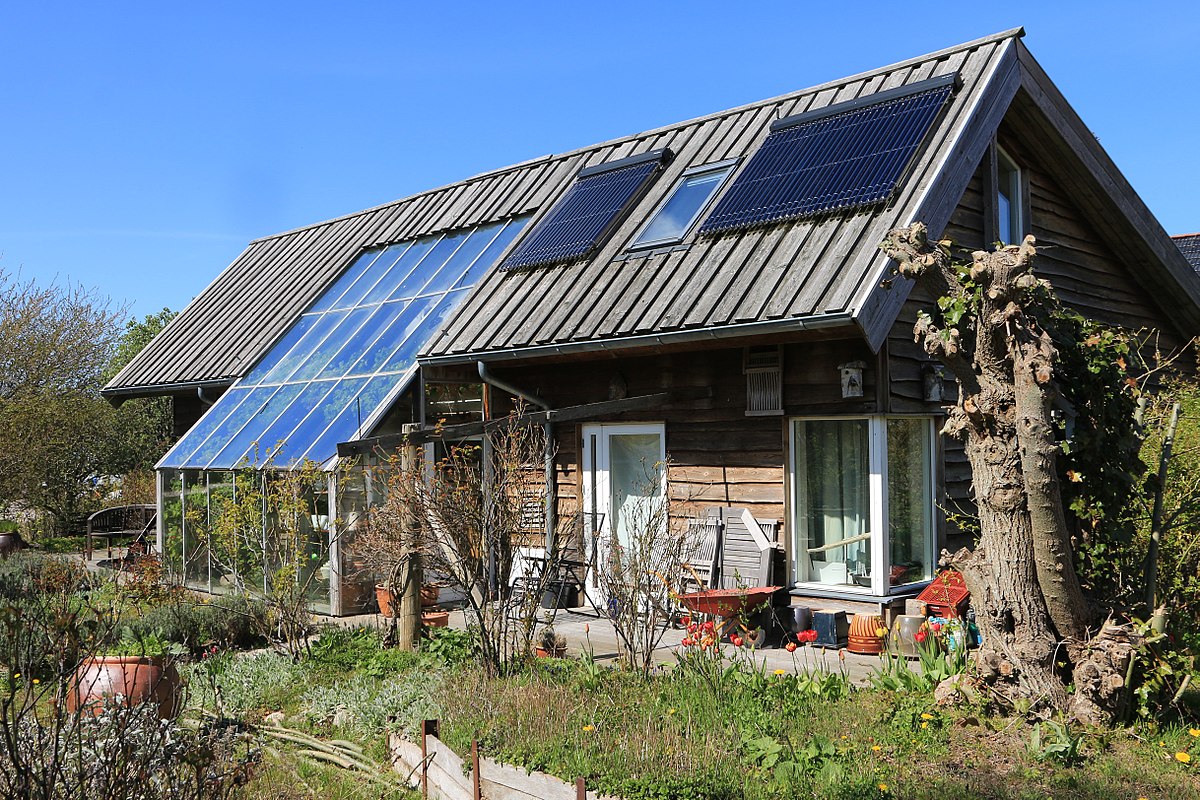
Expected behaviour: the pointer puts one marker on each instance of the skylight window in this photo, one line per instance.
(585, 216)
(844, 156)
(339, 366)
(687, 202)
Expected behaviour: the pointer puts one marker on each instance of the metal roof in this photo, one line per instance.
(806, 273)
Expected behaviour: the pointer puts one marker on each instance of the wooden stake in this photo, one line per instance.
(409, 575)
(429, 728)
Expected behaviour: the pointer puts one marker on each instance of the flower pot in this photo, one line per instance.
(864, 637)
(559, 594)
(430, 593)
(557, 652)
(384, 597)
(128, 680)
(435, 619)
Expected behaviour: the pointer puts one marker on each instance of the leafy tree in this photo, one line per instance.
(58, 436)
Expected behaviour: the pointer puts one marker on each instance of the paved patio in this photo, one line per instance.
(585, 629)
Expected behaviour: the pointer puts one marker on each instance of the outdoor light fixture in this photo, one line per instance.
(852, 378)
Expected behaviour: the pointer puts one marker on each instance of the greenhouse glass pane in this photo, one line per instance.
(492, 254)
(346, 425)
(279, 432)
(303, 349)
(396, 334)
(413, 258)
(381, 318)
(350, 323)
(221, 409)
(325, 412)
(457, 264)
(402, 358)
(229, 427)
(379, 267)
(352, 273)
(415, 282)
(282, 348)
(241, 443)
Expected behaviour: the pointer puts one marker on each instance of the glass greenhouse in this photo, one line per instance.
(343, 371)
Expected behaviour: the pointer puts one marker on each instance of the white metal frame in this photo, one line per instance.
(877, 462)
(727, 166)
(597, 492)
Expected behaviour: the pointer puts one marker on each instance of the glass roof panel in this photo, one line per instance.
(334, 293)
(414, 284)
(241, 443)
(347, 356)
(411, 260)
(196, 435)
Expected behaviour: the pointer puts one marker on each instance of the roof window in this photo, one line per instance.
(843, 156)
(689, 200)
(589, 212)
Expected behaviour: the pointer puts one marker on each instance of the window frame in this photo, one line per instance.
(878, 518)
(728, 166)
(1010, 181)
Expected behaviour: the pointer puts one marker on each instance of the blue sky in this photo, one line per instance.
(143, 145)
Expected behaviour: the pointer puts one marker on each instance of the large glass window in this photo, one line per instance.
(332, 375)
(834, 508)
(674, 219)
(863, 511)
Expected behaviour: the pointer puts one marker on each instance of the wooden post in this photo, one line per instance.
(429, 728)
(476, 791)
(409, 574)
(1151, 574)
(580, 789)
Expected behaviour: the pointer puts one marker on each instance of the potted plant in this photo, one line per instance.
(551, 644)
(138, 668)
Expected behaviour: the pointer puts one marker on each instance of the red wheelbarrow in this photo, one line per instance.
(730, 606)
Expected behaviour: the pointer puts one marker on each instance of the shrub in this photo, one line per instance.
(225, 621)
(234, 683)
(361, 650)
(366, 706)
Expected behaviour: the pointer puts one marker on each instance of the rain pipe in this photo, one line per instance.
(548, 429)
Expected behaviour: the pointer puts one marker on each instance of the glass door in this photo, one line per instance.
(623, 488)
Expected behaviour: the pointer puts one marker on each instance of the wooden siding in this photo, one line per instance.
(718, 455)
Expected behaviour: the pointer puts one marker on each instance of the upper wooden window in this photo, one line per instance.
(1010, 206)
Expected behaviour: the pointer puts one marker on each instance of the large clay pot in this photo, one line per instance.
(384, 597)
(435, 619)
(557, 652)
(430, 593)
(131, 680)
(864, 637)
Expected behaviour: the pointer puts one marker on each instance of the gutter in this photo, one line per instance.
(118, 395)
(735, 331)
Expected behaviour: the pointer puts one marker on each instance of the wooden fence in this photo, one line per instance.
(441, 774)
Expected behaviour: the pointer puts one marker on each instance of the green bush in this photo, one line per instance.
(363, 707)
(361, 650)
(225, 622)
(239, 683)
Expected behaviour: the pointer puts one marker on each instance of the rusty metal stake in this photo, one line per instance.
(477, 793)
(580, 789)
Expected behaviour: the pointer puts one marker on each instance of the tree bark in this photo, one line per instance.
(1020, 574)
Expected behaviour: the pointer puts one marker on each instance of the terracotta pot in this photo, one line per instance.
(864, 637)
(429, 595)
(435, 619)
(557, 652)
(131, 679)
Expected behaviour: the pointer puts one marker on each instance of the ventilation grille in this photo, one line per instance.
(764, 381)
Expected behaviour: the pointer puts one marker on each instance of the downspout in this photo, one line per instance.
(204, 401)
(548, 465)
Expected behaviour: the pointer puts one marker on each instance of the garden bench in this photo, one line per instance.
(137, 520)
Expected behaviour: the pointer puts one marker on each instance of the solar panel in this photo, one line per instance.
(587, 213)
(346, 357)
(844, 156)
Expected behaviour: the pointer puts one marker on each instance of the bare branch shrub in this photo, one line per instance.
(470, 517)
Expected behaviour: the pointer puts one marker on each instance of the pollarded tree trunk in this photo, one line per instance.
(1029, 604)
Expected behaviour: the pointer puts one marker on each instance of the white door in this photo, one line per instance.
(624, 478)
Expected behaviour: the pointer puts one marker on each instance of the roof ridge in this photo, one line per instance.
(1017, 32)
